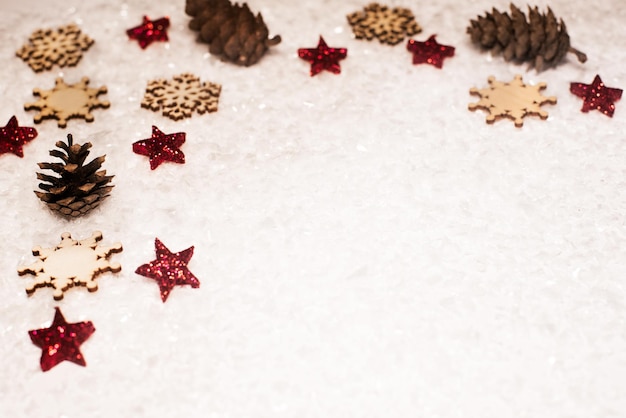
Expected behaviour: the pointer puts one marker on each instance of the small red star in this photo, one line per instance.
(61, 341)
(597, 96)
(169, 269)
(323, 57)
(149, 31)
(161, 147)
(12, 137)
(430, 52)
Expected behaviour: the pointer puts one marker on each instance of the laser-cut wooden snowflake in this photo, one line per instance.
(389, 25)
(70, 263)
(62, 46)
(66, 101)
(180, 97)
(513, 100)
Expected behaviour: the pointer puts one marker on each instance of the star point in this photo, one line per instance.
(150, 31)
(61, 341)
(13, 137)
(429, 52)
(323, 57)
(169, 269)
(161, 147)
(597, 96)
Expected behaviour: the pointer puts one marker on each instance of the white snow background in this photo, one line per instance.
(366, 246)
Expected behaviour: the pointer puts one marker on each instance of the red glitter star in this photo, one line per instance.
(169, 269)
(61, 341)
(12, 137)
(150, 31)
(323, 57)
(430, 52)
(597, 96)
(161, 147)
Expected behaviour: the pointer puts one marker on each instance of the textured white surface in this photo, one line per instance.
(366, 246)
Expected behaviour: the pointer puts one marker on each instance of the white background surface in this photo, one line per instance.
(366, 246)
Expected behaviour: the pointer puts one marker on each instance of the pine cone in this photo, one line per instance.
(80, 187)
(231, 31)
(541, 40)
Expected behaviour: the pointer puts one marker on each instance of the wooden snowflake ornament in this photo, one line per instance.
(389, 25)
(513, 100)
(71, 263)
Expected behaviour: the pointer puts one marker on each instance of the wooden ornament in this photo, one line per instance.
(389, 24)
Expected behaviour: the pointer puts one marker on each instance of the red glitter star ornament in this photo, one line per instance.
(597, 96)
(13, 136)
(161, 147)
(61, 341)
(430, 52)
(150, 31)
(323, 57)
(169, 269)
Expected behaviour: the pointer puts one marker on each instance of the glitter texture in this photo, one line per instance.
(430, 52)
(161, 147)
(597, 96)
(13, 136)
(61, 341)
(323, 57)
(150, 31)
(169, 269)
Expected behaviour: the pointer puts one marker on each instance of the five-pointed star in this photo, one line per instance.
(12, 137)
(150, 31)
(597, 96)
(169, 269)
(323, 57)
(430, 52)
(161, 147)
(61, 341)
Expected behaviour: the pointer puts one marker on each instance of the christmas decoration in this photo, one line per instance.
(66, 101)
(150, 31)
(61, 341)
(540, 39)
(513, 100)
(323, 57)
(181, 96)
(169, 269)
(79, 187)
(71, 263)
(13, 136)
(161, 147)
(597, 96)
(62, 46)
(231, 31)
(430, 52)
(389, 25)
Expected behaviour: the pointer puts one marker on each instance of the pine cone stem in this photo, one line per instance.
(582, 57)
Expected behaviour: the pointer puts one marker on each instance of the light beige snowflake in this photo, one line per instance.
(62, 46)
(513, 100)
(66, 101)
(71, 263)
(389, 25)
(180, 97)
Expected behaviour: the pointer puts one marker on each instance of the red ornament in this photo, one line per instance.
(597, 96)
(430, 52)
(150, 31)
(12, 137)
(161, 147)
(323, 57)
(169, 269)
(61, 341)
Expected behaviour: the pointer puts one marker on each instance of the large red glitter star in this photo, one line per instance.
(597, 96)
(169, 269)
(61, 341)
(12, 137)
(150, 31)
(430, 52)
(323, 57)
(161, 147)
